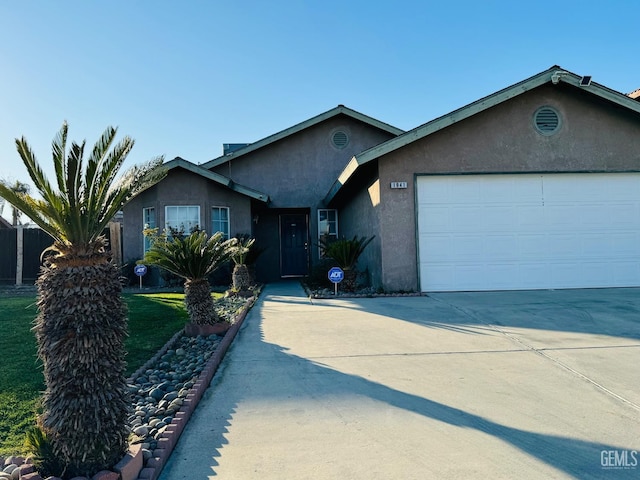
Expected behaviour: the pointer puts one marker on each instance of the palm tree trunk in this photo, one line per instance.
(80, 329)
(199, 303)
(350, 280)
(240, 277)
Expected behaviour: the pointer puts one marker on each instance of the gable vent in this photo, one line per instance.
(340, 139)
(547, 120)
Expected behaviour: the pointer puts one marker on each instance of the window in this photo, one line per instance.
(148, 221)
(327, 226)
(185, 219)
(220, 220)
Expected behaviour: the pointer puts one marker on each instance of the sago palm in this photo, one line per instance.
(241, 277)
(82, 319)
(193, 258)
(346, 253)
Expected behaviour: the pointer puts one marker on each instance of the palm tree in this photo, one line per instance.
(346, 253)
(241, 278)
(193, 258)
(18, 187)
(82, 319)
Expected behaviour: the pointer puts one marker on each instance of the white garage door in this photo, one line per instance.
(513, 232)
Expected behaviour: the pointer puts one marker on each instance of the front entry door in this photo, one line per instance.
(294, 245)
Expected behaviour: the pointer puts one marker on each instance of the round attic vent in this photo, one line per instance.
(546, 120)
(340, 139)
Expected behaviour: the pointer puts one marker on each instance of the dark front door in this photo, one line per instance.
(294, 245)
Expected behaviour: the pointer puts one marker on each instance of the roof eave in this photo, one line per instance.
(349, 170)
(216, 177)
(554, 75)
(340, 109)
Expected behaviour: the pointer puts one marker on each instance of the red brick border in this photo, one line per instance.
(132, 467)
(169, 438)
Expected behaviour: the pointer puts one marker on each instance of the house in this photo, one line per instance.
(4, 223)
(535, 186)
(272, 189)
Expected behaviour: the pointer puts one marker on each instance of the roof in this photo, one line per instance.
(553, 75)
(635, 94)
(339, 110)
(4, 223)
(215, 177)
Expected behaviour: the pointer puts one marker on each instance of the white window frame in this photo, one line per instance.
(226, 232)
(180, 224)
(324, 225)
(149, 220)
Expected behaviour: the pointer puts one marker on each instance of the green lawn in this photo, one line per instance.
(153, 319)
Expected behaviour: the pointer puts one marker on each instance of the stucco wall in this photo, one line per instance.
(593, 137)
(297, 172)
(360, 217)
(182, 187)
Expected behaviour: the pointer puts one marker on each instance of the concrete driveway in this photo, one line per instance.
(526, 385)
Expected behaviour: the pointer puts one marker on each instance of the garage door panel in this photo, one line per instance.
(624, 273)
(496, 217)
(621, 214)
(532, 247)
(560, 217)
(530, 217)
(484, 232)
(562, 246)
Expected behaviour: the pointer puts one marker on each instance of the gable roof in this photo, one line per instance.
(215, 177)
(4, 223)
(553, 75)
(339, 110)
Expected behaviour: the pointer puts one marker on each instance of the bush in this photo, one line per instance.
(318, 277)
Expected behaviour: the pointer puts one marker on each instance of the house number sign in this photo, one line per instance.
(398, 184)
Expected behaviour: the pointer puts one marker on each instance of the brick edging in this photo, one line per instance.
(169, 438)
(131, 467)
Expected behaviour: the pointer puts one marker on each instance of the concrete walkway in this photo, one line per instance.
(526, 385)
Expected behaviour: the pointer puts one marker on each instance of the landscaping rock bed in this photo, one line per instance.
(159, 392)
(165, 392)
(368, 292)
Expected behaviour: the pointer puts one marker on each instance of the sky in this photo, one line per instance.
(182, 78)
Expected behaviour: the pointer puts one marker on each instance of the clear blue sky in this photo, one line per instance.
(182, 78)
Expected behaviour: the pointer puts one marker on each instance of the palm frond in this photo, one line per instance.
(193, 257)
(86, 199)
(346, 251)
(100, 181)
(110, 167)
(59, 151)
(98, 153)
(76, 215)
(36, 173)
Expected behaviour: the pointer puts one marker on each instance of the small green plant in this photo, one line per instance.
(346, 253)
(193, 258)
(317, 278)
(43, 456)
(244, 243)
(241, 277)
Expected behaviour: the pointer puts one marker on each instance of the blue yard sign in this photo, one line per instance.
(140, 271)
(336, 275)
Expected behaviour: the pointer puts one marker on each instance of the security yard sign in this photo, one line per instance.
(140, 271)
(336, 275)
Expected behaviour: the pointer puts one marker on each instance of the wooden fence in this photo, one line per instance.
(21, 250)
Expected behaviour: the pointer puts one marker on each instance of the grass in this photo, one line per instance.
(153, 319)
